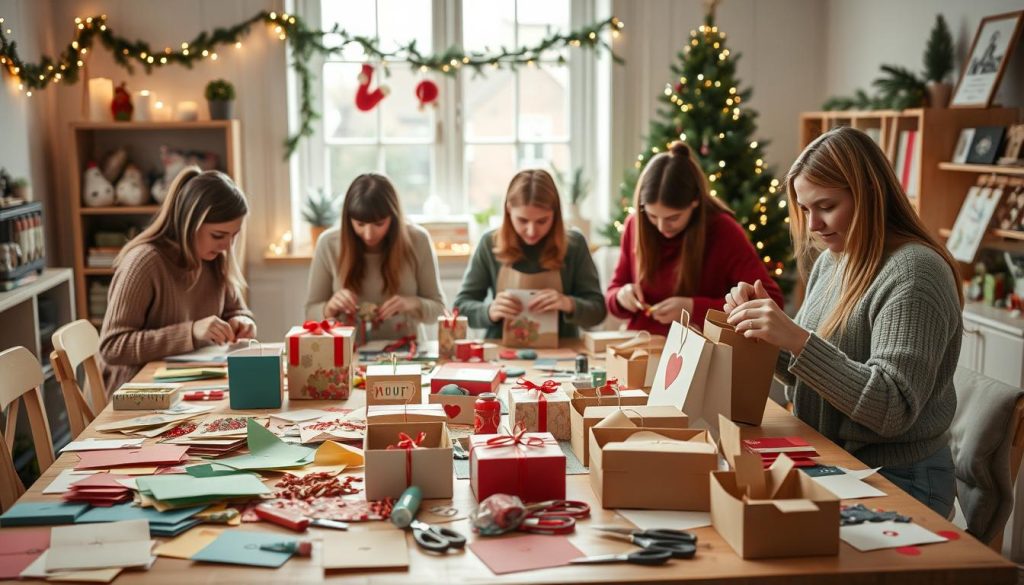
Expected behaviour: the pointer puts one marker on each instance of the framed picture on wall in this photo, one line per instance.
(990, 51)
(985, 146)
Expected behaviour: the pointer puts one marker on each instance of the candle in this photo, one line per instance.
(187, 111)
(161, 112)
(101, 94)
(142, 105)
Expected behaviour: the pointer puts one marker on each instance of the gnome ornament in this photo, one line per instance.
(96, 189)
(121, 106)
(130, 190)
(174, 162)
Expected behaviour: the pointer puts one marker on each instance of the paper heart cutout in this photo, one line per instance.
(452, 410)
(675, 365)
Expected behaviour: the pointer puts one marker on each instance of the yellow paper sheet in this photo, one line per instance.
(330, 458)
(188, 544)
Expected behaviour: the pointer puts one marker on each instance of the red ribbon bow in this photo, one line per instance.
(515, 439)
(408, 443)
(321, 328)
(547, 387)
(450, 319)
(409, 340)
(325, 327)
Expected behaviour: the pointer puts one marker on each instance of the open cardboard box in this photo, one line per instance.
(634, 362)
(651, 468)
(429, 465)
(579, 423)
(404, 413)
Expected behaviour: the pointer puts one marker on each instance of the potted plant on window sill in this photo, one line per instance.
(220, 96)
(577, 188)
(320, 212)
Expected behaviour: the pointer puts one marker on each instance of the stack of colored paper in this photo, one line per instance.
(214, 447)
(158, 455)
(93, 552)
(169, 523)
(41, 513)
(171, 492)
(189, 374)
(266, 451)
(101, 489)
(769, 448)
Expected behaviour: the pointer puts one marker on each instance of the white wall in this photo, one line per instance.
(864, 34)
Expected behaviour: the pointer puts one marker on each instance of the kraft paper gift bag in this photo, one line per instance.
(451, 327)
(634, 362)
(530, 329)
(255, 377)
(742, 393)
(683, 370)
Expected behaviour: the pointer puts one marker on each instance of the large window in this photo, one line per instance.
(457, 157)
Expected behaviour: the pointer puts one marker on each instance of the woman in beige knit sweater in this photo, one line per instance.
(177, 286)
(375, 269)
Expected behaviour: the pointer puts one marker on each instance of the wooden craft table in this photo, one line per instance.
(963, 560)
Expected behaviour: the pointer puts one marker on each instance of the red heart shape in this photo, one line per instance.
(675, 364)
(452, 410)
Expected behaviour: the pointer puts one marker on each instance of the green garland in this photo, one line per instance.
(305, 43)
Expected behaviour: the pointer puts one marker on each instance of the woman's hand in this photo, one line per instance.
(742, 293)
(343, 302)
(670, 309)
(631, 298)
(504, 306)
(550, 299)
(397, 305)
(243, 327)
(213, 329)
(761, 318)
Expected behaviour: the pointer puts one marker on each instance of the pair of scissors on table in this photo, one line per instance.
(646, 556)
(554, 517)
(436, 538)
(678, 543)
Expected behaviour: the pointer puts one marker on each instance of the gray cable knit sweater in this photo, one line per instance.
(883, 388)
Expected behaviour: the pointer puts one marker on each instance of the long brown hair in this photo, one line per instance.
(532, 187)
(371, 198)
(674, 179)
(195, 197)
(845, 158)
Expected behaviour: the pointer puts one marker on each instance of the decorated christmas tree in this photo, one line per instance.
(704, 106)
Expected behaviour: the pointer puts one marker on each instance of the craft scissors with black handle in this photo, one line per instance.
(681, 544)
(436, 538)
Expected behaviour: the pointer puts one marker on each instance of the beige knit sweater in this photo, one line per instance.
(150, 311)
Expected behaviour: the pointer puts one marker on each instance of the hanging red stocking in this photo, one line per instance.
(366, 100)
(426, 92)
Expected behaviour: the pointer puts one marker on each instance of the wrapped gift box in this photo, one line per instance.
(393, 384)
(319, 361)
(528, 465)
(580, 424)
(398, 455)
(477, 378)
(540, 411)
(450, 328)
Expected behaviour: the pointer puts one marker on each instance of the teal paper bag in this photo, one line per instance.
(255, 378)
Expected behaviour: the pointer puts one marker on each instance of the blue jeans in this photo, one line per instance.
(930, 481)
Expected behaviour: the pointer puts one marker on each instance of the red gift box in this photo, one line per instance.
(528, 465)
(476, 378)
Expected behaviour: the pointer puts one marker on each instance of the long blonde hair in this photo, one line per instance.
(674, 179)
(371, 198)
(195, 197)
(845, 158)
(532, 187)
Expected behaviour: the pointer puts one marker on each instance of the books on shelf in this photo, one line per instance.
(101, 257)
(908, 162)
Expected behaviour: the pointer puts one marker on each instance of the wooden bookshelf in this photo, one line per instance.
(982, 169)
(93, 140)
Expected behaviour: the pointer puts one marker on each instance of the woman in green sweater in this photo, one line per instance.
(532, 250)
(869, 360)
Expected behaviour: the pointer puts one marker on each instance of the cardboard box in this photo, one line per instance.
(774, 512)
(458, 409)
(448, 331)
(579, 423)
(533, 469)
(540, 412)
(671, 465)
(255, 378)
(477, 378)
(404, 413)
(598, 341)
(752, 368)
(635, 362)
(319, 362)
(428, 465)
(146, 396)
(394, 384)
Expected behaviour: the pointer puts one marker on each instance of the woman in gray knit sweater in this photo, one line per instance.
(869, 359)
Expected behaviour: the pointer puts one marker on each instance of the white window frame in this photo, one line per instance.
(587, 131)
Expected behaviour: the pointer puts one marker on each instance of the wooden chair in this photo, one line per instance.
(1016, 457)
(21, 378)
(75, 344)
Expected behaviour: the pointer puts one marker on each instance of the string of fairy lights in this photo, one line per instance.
(304, 41)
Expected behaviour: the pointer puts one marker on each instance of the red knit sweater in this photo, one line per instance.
(729, 258)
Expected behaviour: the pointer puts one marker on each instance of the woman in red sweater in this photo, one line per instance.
(683, 249)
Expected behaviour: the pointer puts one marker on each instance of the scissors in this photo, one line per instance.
(680, 544)
(436, 538)
(554, 517)
(647, 556)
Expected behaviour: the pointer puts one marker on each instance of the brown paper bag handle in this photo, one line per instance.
(642, 424)
(615, 390)
(684, 320)
(642, 338)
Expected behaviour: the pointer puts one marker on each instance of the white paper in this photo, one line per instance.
(889, 534)
(102, 444)
(295, 416)
(64, 479)
(674, 519)
(100, 546)
(219, 353)
(850, 485)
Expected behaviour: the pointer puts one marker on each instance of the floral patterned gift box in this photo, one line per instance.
(319, 361)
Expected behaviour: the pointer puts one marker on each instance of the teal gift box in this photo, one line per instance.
(255, 377)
